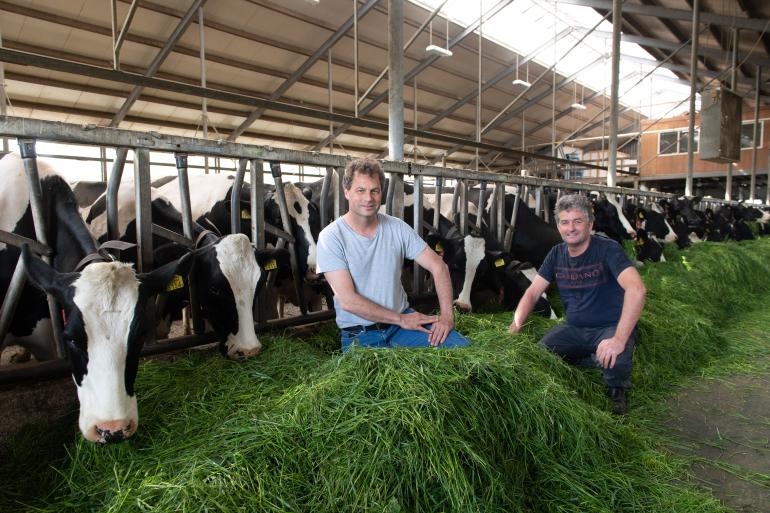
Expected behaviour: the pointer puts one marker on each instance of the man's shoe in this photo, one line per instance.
(618, 397)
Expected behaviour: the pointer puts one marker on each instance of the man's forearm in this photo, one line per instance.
(367, 309)
(444, 292)
(524, 308)
(633, 303)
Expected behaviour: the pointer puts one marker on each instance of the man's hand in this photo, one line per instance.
(440, 329)
(514, 328)
(415, 321)
(608, 350)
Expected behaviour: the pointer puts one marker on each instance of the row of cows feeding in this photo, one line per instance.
(104, 301)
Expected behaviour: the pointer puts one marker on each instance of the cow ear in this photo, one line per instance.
(273, 259)
(166, 276)
(46, 278)
(308, 193)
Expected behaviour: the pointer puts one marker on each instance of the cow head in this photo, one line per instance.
(104, 332)
(228, 275)
(516, 277)
(306, 224)
(610, 220)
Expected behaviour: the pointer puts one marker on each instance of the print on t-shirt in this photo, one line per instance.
(581, 277)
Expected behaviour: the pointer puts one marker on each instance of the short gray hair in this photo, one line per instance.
(575, 202)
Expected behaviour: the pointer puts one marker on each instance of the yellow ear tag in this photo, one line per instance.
(641, 215)
(245, 214)
(499, 262)
(176, 283)
(271, 265)
(439, 248)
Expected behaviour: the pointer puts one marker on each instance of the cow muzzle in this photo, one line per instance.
(111, 432)
(242, 354)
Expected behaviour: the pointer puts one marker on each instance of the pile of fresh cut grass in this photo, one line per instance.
(500, 426)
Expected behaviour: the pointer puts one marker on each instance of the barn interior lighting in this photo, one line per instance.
(575, 104)
(313, 2)
(435, 49)
(517, 80)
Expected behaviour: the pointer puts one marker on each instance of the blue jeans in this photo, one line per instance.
(577, 345)
(395, 336)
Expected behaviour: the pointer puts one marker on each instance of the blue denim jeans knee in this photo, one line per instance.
(395, 336)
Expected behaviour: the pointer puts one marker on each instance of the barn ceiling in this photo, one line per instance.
(265, 49)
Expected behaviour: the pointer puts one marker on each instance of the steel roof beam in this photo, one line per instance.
(494, 80)
(524, 107)
(158, 60)
(425, 63)
(671, 45)
(320, 52)
(754, 24)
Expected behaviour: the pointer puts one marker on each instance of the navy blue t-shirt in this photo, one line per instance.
(588, 283)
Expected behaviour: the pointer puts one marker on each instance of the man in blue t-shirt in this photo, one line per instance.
(602, 293)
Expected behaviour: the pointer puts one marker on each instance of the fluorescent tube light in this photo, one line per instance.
(578, 106)
(521, 82)
(437, 50)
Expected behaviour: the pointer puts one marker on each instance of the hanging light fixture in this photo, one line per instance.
(575, 104)
(435, 49)
(517, 80)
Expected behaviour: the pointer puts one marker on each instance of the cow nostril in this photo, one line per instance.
(107, 437)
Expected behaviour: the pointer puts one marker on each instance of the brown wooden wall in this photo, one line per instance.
(654, 165)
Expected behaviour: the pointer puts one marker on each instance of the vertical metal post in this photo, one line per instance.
(480, 213)
(340, 206)
(142, 187)
(144, 250)
(693, 89)
(455, 210)
(753, 184)
(11, 300)
(514, 214)
(113, 186)
(437, 203)
(500, 212)
(539, 201)
(733, 85)
(187, 230)
(463, 183)
(417, 224)
(324, 200)
(275, 168)
(29, 156)
(478, 82)
(617, 20)
(103, 163)
(204, 100)
(396, 80)
(3, 104)
(330, 92)
(257, 204)
(115, 54)
(235, 197)
(414, 120)
(355, 58)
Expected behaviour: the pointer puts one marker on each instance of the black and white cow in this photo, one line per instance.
(103, 305)
(229, 272)
(610, 220)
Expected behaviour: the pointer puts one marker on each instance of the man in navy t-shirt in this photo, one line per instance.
(602, 293)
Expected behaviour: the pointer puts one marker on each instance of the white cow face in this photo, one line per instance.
(104, 333)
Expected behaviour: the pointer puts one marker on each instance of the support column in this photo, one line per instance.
(396, 103)
(693, 90)
(204, 100)
(753, 185)
(396, 80)
(613, 149)
(3, 100)
(733, 84)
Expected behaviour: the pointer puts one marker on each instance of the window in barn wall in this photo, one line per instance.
(676, 142)
(747, 135)
(667, 143)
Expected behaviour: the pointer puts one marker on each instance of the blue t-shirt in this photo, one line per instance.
(588, 283)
